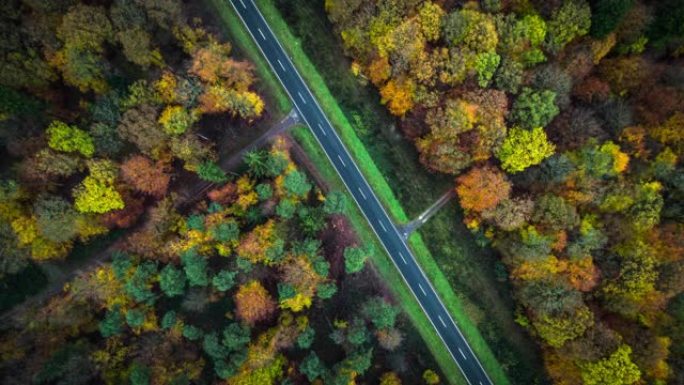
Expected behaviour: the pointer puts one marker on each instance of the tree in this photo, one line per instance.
(253, 303)
(430, 15)
(306, 338)
(617, 369)
(430, 377)
(534, 108)
(172, 281)
(555, 213)
(335, 203)
(211, 172)
(390, 339)
(312, 367)
(380, 312)
(135, 318)
(606, 15)
(354, 259)
(398, 95)
(145, 176)
(175, 120)
(485, 66)
(236, 336)
(297, 184)
(524, 148)
(65, 138)
(390, 378)
(571, 20)
(510, 214)
(195, 267)
(326, 290)
(112, 324)
(139, 375)
(224, 280)
(193, 333)
(482, 188)
(139, 126)
(95, 195)
(56, 218)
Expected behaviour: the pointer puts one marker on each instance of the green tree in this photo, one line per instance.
(524, 148)
(236, 336)
(195, 267)
(257, 162)
(211, 172)
(569, 21)
(168, 320)
(224, 280)
(534, 108)
(139, 375)
(65, 138)
(172, 281)
(326, 290)
(335, 203)
(135, 318)
(312, 367)
(555, 213)
(297, 184)
(286, 208)
(354, 259)
(264, 191)
(606, 15)
(306, 338)
(193, 333)
(112, 324)
(213, 347)
(485, 66)
(380, 312)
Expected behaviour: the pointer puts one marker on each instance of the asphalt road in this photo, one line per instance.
(390, 238)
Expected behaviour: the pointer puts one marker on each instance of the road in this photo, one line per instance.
(380, 222)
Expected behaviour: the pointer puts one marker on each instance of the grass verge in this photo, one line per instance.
(381, 188)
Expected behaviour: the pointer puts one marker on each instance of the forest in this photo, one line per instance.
(107, 112)
(561, 123)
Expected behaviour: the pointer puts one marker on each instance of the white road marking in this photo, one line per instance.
(301, 97)
(322, 130)
(261, 33)
(442, 321)
(421, 289)
(281, 65)
(383, 226)
(243, 4)
(402, 258)
(362, 194)
(340, 158)
(461, 351)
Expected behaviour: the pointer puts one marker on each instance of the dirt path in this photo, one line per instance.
(410, 227)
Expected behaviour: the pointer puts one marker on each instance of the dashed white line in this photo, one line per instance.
(281, 65)
(402, 258)
(461, 351)
(421, 289)
(341, 161)
(261, 33)
(362, 194)
(442, 321)
(301, 97)
(383, 226)
(243, 4)
(322, 130)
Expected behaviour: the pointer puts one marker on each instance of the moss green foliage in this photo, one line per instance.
(524, 148)
(534, 108)
(211, 172)
(62, 137)
(172, 281)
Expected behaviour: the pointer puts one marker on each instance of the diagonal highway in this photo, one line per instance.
(371, 207)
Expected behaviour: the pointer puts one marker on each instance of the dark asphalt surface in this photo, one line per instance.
(394, 244)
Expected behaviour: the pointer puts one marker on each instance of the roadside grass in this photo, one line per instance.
(380, 186)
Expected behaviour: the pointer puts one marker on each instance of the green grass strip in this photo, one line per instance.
(382, 189)
(243, 41)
